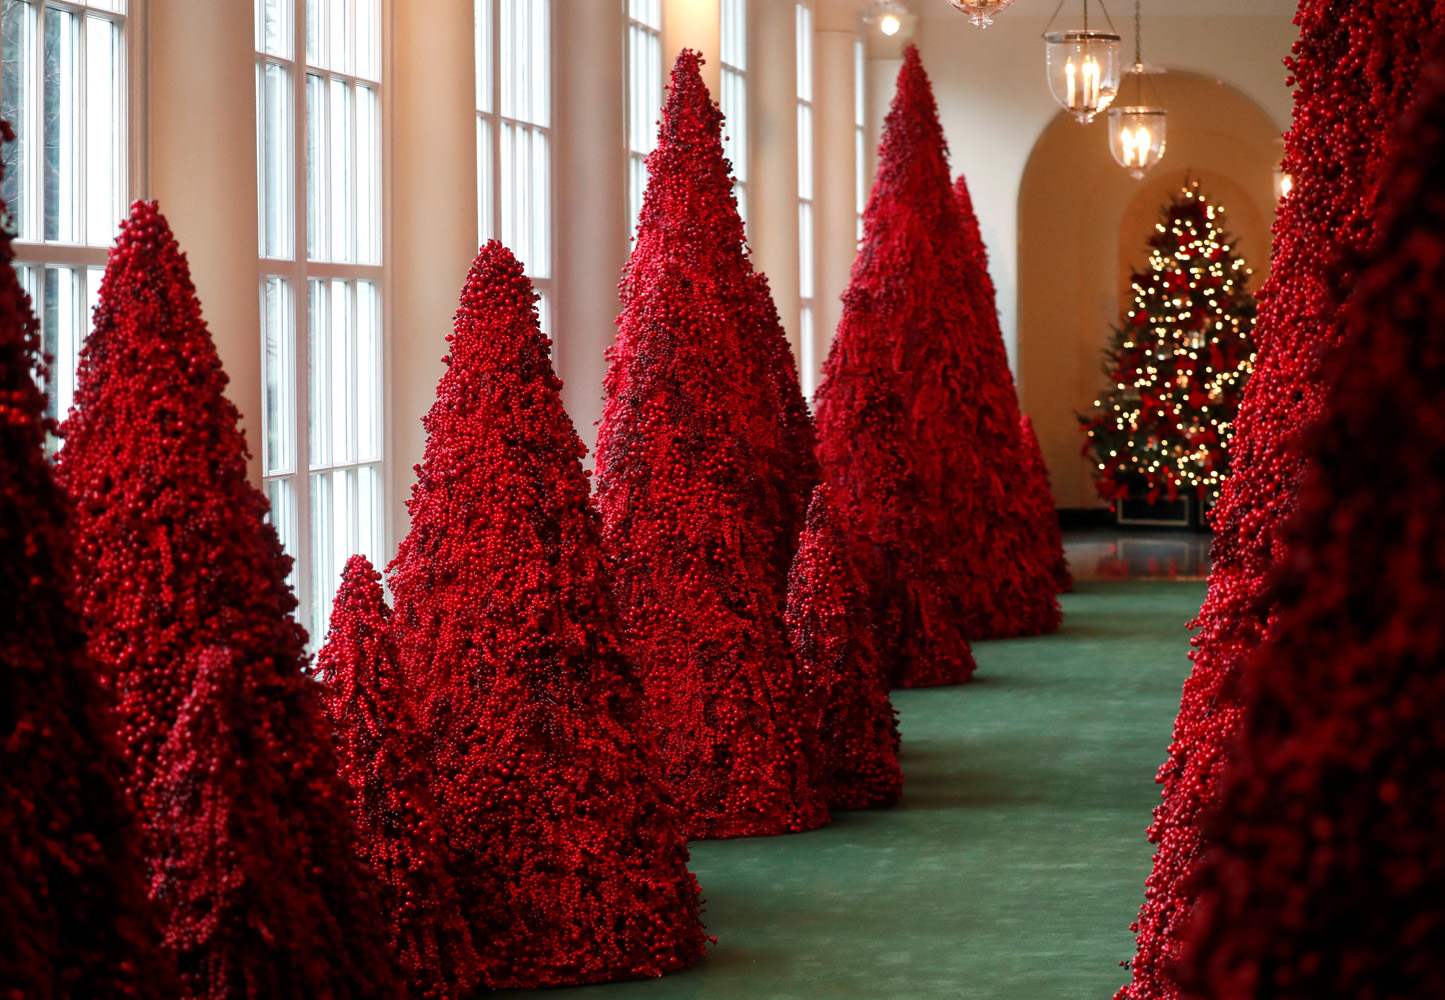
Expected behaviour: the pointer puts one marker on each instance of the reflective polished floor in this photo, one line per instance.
(1137, 554)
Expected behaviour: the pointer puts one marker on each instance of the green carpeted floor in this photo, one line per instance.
(1017, 860)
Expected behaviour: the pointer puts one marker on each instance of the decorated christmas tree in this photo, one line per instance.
(1326, 874)
(1355, 68)
(569, 857)
(1178, 363)
(694, 495)
(173, 558)
(1044, 512)
(832, 632)
(255, 907)
(1020, 535)
(383, 760)
(74, 918)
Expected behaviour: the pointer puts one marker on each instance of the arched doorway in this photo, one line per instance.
(1083, 223)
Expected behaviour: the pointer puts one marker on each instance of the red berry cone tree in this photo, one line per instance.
(74, 918)
(1022, 536)
(571, 860)
(401, 836)
(1326, 873)
(832, 632)
(881, 460)
(690, 489)
(173, 557)
(1356, 68)
(1040, 495)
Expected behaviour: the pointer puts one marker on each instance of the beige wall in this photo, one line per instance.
(1082, 227)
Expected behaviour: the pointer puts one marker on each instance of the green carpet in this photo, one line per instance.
(1017, 860)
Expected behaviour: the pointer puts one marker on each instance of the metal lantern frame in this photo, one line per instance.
(1083, 65)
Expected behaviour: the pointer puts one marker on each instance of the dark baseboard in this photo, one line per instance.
(1076, 518)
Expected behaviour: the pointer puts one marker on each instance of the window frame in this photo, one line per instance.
(733, 38)
(639, 121)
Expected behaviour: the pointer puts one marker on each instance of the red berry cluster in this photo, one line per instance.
(570, 860)
(698, 481)
(1356, 69)
(1326, 873)
(383, 759)
(1014, 527)
(74, 919)
(832, 633)
(251, 849)
(1038, 494)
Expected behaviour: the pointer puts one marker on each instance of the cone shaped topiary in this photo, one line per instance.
(1355, 68)
(691, 492)
(832, 633)
(1040, 495)
(570, 859)
(173, 557)
(74, 918)
(1017, 532)
(382, 759)
(1326, 872)
(892, 423)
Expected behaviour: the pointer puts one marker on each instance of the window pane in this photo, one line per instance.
(62, 329)
(805, 52)
(484, 54)
(279, 360)
(485, 228)
(282, 494)
(341, 373)
(323, 556)
(317, 169)
(62, 125)
(368, 39)
(276, 175)
(318, 373)
(805, 249)
(805, 151)
(368, 373)
(274, 28)
(368, 176)
(102, 127)
(17, 65)
(341, 154)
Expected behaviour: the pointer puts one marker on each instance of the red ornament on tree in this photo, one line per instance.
(1356, 69)
(832, 632)
(1326, 870)
(382, 758)
(695, 496)
(887, 414)
(1039, 495)
(74, 918)
(173, 557)
(569, 858)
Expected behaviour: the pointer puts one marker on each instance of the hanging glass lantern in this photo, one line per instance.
(1136, 137)
(1083, 70)
(1137, 133)
(981, 12)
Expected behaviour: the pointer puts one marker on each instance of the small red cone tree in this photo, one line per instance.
(1326, 874)
(173, 557)
(392, 802)
(570, 859)
(1356, 68)
(832, 633)
(690, 490)
(248, 915)
(890, 412)
(1020, 525)
(1040, 495)
(74, 919)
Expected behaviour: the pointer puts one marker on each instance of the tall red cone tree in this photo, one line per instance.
(890, 411)
(1041, 496)
(570, 858)
(1019, 525)
(74, 918)
(382, 759)
(690, 491)
(832, 632)
(1356, 68)
(173, 557)
(1326, 874)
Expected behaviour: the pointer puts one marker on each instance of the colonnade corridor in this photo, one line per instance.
(1014, 865)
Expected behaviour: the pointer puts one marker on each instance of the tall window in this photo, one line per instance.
(62, 88)
(805, 195)
(514, 114)
(860, 121)
(318, 97)
(644, 94)
(734, 44)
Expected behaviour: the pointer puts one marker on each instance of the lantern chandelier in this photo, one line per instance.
(1136, 134)
(1083, 65)
(981, 12)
